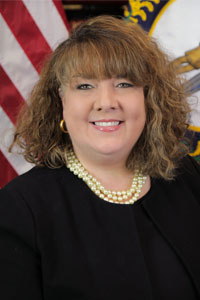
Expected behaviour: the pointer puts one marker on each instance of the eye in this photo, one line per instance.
(124, 85)
(84, 86)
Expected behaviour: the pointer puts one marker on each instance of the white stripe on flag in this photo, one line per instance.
(6, 133)
(15, 62)
(18, 64)
(48, 29)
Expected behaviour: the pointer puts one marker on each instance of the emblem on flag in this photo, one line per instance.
(175, 24)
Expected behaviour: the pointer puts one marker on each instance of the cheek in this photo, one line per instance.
(138, 111)
(142, 114)
(75, 113)
(69, 109)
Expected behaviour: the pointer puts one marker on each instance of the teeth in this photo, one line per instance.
(107, 123)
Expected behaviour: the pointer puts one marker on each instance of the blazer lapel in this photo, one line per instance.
(176, 213)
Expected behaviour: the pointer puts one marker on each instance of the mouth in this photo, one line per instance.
(106, 123)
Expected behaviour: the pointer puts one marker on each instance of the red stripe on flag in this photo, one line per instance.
(10, 99)
(35, 46)
(29, 36)
(7, 172)
(59, 6)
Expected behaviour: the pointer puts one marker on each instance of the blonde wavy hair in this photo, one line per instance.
(105, 47)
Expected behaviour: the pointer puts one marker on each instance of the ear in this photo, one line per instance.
(60, 92)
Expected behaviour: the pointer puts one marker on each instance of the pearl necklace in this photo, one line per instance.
(120, 197)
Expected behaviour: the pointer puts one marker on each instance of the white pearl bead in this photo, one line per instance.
(76, 167)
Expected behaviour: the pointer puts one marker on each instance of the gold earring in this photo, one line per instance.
(62, 126)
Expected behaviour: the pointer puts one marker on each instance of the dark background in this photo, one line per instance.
(78, 10)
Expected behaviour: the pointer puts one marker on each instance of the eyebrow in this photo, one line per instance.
(122, 76)
(81, 76)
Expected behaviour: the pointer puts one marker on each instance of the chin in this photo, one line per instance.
(110, 149)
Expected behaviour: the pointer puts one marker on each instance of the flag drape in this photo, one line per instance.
(30, 30)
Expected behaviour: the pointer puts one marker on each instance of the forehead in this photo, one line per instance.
(96, 61)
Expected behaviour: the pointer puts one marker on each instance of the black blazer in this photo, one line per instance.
(51, 225)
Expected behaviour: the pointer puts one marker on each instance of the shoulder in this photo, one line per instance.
(37, 189)
(188, 177)
(185, 186)
(37, 181)
(189, 173)
(35, 177)
(40, 189)
(29, 199)
(189, 166)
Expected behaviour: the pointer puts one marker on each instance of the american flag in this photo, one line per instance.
(29, 31)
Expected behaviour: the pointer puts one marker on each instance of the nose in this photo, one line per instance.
(106, 99)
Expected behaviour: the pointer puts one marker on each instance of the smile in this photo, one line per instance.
(114, 123)
(107, 126)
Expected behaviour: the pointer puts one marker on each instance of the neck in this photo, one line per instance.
(108, 194)
(110, 170)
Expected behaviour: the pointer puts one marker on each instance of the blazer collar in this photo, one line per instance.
(176, 213)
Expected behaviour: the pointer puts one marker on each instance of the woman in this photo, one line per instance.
(111, 209)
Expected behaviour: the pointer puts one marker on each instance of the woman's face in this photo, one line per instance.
(103, 117)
